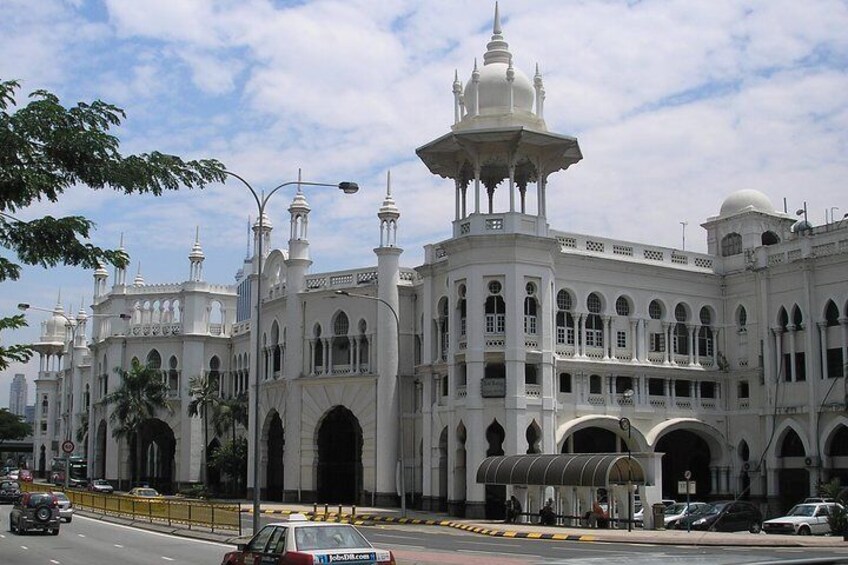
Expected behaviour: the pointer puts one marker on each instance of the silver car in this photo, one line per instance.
(66, 507)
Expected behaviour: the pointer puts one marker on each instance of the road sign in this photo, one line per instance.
(687, 475)
(682, 487)
(68, 446)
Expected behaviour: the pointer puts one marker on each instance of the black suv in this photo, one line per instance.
(35, 511)
(725, 516)
(10, 491)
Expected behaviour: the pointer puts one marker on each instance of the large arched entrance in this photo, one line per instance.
(591, 440)
(158, 447)
(793, 478)
(495, 494)
(339, 457)
(837, 451)
(213, 475)
(275, 442)
(685, 451)
(100, 451)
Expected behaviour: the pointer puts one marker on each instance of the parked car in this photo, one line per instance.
(299, 541)
(66, 507)
(10, 491)
(803, 519)
(639, 511)
(725, 516)
(101, 486)
(25, 475)
(35, 511)
(680, 510)
(14, 474)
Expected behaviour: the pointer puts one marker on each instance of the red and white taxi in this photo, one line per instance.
(297, 541)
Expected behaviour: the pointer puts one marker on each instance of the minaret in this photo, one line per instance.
(196, 259)
(100, 276)
(297, 265)
(139, 280)
(121, 272)
(388, 350)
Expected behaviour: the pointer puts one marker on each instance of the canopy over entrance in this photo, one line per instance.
(564, 469)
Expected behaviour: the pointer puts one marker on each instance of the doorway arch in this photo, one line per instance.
(100, 451)
(684, 451)
(495, 494)
(275, 445)
(339, 457)
(158, 447)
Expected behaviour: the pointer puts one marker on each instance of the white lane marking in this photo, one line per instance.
(119, 546)
(493, 545)
(24, 547)
(164, 535)
(409, 547)
(54, 562)
(81, 535)
(167, 558)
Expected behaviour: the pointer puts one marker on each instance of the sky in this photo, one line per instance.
(676, 104)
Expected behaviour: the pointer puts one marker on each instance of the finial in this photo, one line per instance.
(59, 298)
(121, 242)
(299, 180)
(197, 234)
(389, 182)
(496, 28)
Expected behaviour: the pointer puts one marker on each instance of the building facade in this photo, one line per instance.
(512, 337)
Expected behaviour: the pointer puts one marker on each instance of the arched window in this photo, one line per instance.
(154, 360)
(770, 238)
(277, 353)
(444, 336)
(782, 319)
(318, 351)
(341, 351)
(622, 306)
(495, 310)
(564, 319)
(215, 372)
(705, 333)
(462, 309)
(681, 333)
(530, 315)
(595, 384)
(655, 310)
(831, 314)
(797, 318)
(731, 244)
(565, 383)
(742, 319)
(173, 376)
(594, 324)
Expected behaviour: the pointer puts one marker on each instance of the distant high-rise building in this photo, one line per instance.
(18, 395)
(29, 414)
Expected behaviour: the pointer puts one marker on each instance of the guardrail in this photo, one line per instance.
(190, 512)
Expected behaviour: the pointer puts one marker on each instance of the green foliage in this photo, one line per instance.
(12, 426)
(229, 412)
(838, 520)
(13, 353)
(231, 460)
(203, 391)
(195, 491)
(141, 393)
(46, 149)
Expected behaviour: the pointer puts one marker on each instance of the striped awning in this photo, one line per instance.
(565, 469)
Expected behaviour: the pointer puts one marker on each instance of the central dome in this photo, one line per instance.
(494, 90)
(745, 200)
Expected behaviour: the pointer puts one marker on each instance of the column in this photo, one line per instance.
(778, 349)
(716, 332)
(791, 330)
(581, 337)
(668, 343)
(843, 323)
(607, 321)
(697, 351)
(642, 330)
(823, 349)
(477, 189)
(714, 479)
(634, 330)
(327, 357)
(312, 356)
(690, 336)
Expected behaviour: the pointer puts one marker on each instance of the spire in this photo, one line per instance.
(196, 258)
(121, 272)
(139, 280)
(539, 86)
(497, 48)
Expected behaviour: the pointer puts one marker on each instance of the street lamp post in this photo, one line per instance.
(261, 201)
(72, 326)
(624, 424)
(399, 402)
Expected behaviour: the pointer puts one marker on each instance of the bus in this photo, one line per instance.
(78, 471)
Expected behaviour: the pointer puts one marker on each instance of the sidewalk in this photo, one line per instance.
(368, 516)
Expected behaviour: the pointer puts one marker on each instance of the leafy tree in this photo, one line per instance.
(204, 395)
(142, 391)
(12, 426)
(231, 460)
(82, 430)
(46, 148)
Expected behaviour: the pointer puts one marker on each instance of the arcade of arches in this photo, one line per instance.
(339, 458)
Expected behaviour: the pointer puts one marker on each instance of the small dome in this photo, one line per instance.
(54, 329)
(494, 90)
(746, 200)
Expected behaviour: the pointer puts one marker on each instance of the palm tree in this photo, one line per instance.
(141, 393)
(82, 430)
(229, 412)
(204, 395)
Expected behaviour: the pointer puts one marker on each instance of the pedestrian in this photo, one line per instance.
(547, 516)
(516, 508)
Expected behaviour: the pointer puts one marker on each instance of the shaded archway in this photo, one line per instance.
(339, 457)
(495, 494)
(275, 444)
(158, 447)
(591, 440)
(793, 478)
(100, 451)
(443, 470)
(836, 449)
(685, 450)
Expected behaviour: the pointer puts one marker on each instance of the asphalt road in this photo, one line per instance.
(92, 541)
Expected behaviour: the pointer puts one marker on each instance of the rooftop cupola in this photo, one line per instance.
(299, 211)
(196, 259)
(100, 276)
(388, 215)
(121, 272)
(138, 280)
(497, 137)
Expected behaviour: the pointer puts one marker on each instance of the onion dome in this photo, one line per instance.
(746, 200)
